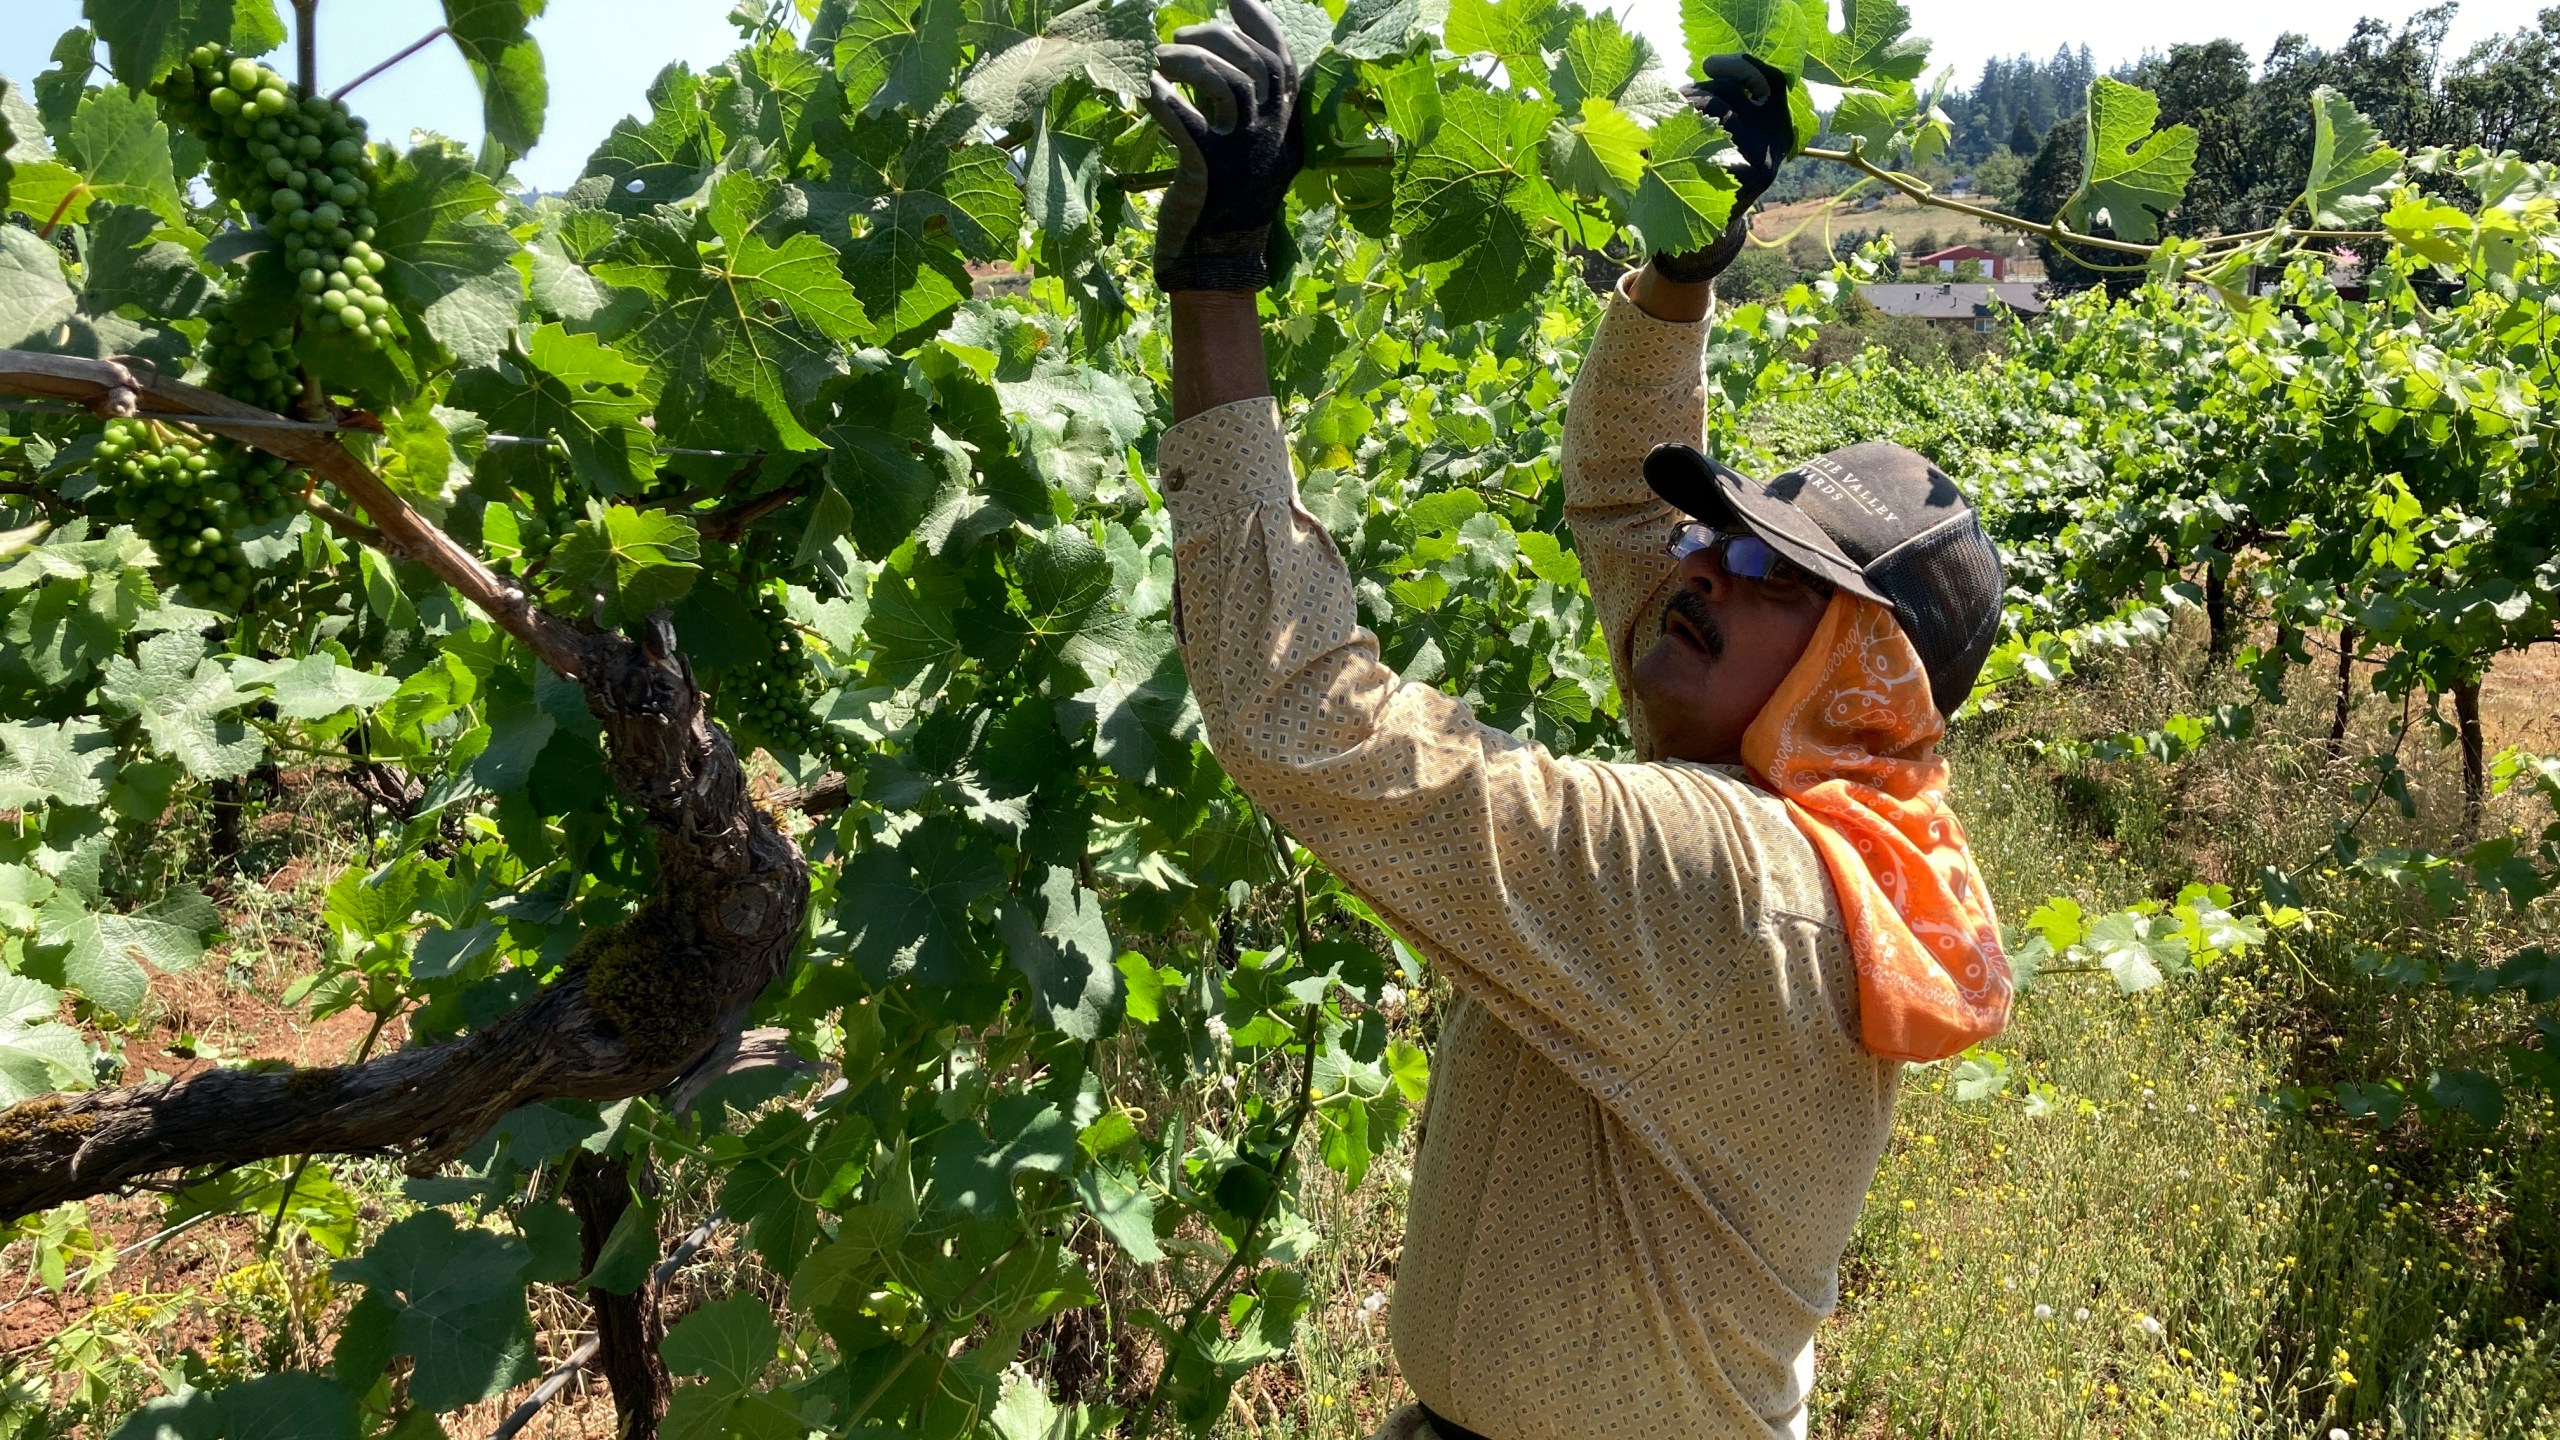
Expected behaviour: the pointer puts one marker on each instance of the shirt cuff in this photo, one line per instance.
(1224, 460)
(1634, 348)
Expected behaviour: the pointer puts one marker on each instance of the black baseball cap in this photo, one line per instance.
(1877, 520)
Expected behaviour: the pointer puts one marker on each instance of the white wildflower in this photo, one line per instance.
(2147, 1325)
(2080, 1314)
(1219, 1032)
(2044, 1312)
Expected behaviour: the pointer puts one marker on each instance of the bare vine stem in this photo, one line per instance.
(2053, 230)
(576, 1360)
(405, 51)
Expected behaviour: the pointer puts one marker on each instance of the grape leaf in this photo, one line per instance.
(1110, 42)
(2470, 1092)
(1685, 197)
(34, 298)
(65, 762)
(1065, 952)
(899, 54)
(317, 686)
(1139, 703)
(1518, 32)
(664, 159)
(1076, 422)
(2132, 177)
(2351, 167)
(1873, 49)
(1775, 32)
(1124, 1209)
(925, 196)
(181, 698)
(21, 136)
(730, 1341)
(129, 264)
(1468, 197)
(286, 1405)
(2130, 950)
(58, 90)
(577, 389)
(147, 39)
(121, 149)
(905, 908)
(38, 1053)
(505, 63)
(1599, 153)
(873, 467)
(1059, 176)
(452, 269)
(739, 331)
(457, 1297)
(104, 956)
(1375, 29)
(637, 559)
(974, 1175)
(1601, 60)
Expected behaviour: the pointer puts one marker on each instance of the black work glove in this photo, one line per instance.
(1749, 100)
(1214, 228)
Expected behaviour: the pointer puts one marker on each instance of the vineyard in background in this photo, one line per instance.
(1075, 1097)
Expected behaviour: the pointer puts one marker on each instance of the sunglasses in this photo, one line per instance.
(1745, 557)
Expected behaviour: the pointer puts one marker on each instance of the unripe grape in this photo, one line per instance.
(352, 316)
(243, 74)
(312, 281)
(224, 100)
(326, 214)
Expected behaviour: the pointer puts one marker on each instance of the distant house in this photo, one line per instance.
(1994, 264)
(997, 278)
(1975, 304)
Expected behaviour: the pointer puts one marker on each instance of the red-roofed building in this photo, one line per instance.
(1995, 266)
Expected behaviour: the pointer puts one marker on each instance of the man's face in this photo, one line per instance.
(1726, 644)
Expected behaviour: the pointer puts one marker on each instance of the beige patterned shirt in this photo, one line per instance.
(1651, 1125)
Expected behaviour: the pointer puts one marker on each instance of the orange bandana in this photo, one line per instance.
(1845, 742)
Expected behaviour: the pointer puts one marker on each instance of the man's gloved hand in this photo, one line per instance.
(1214, 226)
(1749, 100)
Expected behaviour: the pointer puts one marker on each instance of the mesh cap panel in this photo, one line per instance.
(1945, 588)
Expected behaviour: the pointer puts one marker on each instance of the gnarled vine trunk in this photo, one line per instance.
(731, 894)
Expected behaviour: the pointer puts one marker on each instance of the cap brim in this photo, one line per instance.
(1714, 493)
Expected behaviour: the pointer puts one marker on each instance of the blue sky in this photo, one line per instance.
(603, 53)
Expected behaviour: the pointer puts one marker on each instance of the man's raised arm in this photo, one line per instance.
(1501, 861)
(1642, 385)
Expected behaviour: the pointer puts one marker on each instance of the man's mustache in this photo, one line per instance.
(1694, 610)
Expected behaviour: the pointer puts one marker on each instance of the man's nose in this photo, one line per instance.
(1703, 569)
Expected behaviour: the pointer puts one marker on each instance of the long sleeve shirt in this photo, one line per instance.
(1651, 1125)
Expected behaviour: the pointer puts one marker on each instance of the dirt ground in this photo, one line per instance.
(2520, 701)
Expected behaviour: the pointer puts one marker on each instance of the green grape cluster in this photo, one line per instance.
(769, 701)
(297, 165)
(248, 361)
(191, 499)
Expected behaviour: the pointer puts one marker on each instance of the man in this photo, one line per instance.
(1686, 985)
